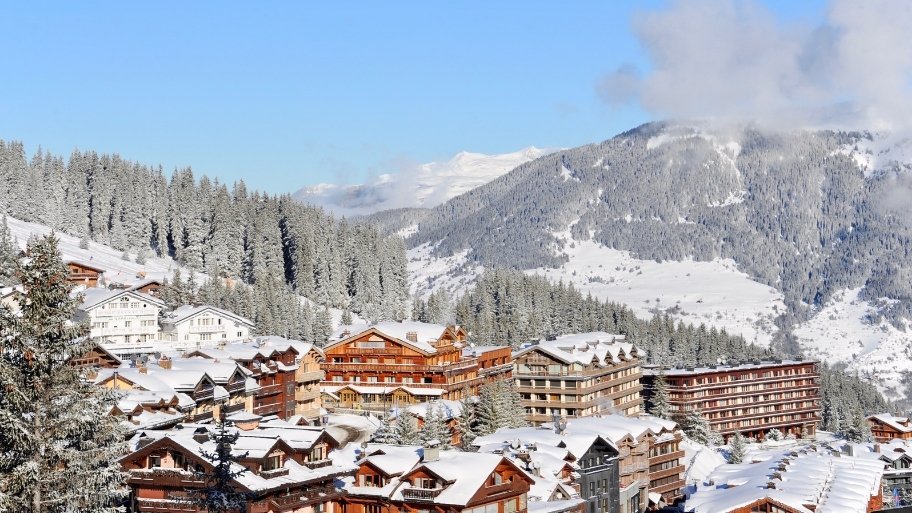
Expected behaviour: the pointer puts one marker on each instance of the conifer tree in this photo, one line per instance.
(406, 429)
(737, 447)
(60, 446)
(434, 427)
(386, 433)
(699, 429)
(466, 422)
(659, 399)
(9, 254)
(220, 495)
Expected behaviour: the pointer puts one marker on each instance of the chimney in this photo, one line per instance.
(164, 362)
(412, 336)
(877, 448)
(143, 369)
(431, 451)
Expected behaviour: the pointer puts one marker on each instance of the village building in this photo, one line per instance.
(749, 398)
(495, 363)
(97, 358)
(151, 287)
(816, 478)
(897, 478)
(288, 468)
(577, 376)
(12, 298)
(189, 327)
(398, 363)
(886, 427)
(84, 274)
(287, 372)
(119, 318)
(407, 479)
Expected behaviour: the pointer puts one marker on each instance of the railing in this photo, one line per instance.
(310, 496)
(267, 408)
(318, 464)
(202, 395)
(311, 376)
(398, 367)
(421, 494)
(276, 472)
(270, 389)
(673, 471)
(164, 505)
(668, 456)
(373, 350)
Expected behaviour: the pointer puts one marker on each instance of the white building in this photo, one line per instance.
(120, 318)
(199, 326)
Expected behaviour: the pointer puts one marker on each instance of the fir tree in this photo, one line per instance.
(659, 399)
(60, 445)
(386, 433)
(434, 427)
(346, 317)
(737, 447)
(406, 429)
(125, 256)
(141, 255)
(84, 242)
(9, 254)
(466, 422)
(220, 495)
(699, 430)
(499, 406)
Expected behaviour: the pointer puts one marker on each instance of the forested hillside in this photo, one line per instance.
(259, 239)
(512, 307)
(809, 213)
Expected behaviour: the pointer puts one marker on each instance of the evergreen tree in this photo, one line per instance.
(499, 406)
(698, 429)
(141, 255)
(434, 427)
(386, 433)
(737, 447)
(406, 429)
(346, 317)
(466, 422)
(659, 399)
(220, 495)
(60, 446)
(9, 254)
(322, 326)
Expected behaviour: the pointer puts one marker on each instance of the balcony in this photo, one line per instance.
(420, 494)
(266, 409)
(309, 376)
(269, 389)
(301, 499)
(276, 472)
(164, 505)
(659, 474)
(313, 465)
(662, 458)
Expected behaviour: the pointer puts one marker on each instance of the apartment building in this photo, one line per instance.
(193, 326)
(120, 318)
(577, 376)
(378, 366)
(750, 398)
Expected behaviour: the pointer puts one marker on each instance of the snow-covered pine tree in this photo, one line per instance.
(220, 495)
(434, 427)
(737, 447)
(498, 407)
(9, 254)
(699, 429)
(322, 326)
(466, 422)
(386, 433)
(406, 429)
(60, 444)
(659, 399)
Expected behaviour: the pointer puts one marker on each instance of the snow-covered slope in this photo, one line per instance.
(425, 185)
(849, 330)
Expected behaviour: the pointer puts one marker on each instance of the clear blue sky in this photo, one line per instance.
(285, 94)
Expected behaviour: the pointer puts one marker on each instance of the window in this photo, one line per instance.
(272, 462)
(128, 324)
(155, 461)
(240, 334)
(496, 479)
(511, 505)
(178, 459)
(205, 336)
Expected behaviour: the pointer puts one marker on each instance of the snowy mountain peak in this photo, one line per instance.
(425, 185)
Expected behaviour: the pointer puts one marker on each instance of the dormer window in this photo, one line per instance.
(272, 462)
(155, 461)
(425, 483)
(496, 479)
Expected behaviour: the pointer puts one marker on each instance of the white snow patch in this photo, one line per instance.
(408, 231)
(715, 293)
(733, 198)
(427, 272)
(849, 330)
(881, 150)
(567, 175)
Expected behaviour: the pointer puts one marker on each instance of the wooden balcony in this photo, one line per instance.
(673, 471)
(662, 458)
(299, 499)
(164, 506)
(310, 376)
(269, 389)
(420, 494)
(313, 465)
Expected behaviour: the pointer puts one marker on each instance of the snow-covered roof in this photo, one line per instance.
(425, 333)
(811, 479)
(900, 424)
(257, 441)
(585, 348)
(95, 297)
(686, 371)
(184, 313)
(367, 389)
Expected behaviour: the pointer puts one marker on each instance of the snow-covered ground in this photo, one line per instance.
(116, 269)
(424, 185)
(428, 273)
(715, 293)
(699, 461)
(848, 329)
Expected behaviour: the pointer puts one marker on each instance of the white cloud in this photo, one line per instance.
(735, 60)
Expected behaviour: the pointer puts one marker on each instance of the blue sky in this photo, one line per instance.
(290, 94)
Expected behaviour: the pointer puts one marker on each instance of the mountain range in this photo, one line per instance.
(798, 239)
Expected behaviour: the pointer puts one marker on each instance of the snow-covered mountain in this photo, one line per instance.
(425, 185)
(801, 240)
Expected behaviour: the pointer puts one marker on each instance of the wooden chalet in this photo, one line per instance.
(84, 274)
(886, 427)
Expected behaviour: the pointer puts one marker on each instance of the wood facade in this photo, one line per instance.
(84, 274)
(750, 398)
(886, 427)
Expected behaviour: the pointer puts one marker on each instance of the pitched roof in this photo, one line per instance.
(900, 424)
(597, 347)
(93, 298)
(426, 333)
(184, 313)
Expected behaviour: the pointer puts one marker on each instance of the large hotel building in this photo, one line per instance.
(751, 398)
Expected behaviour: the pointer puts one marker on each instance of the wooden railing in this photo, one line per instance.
(421, 494)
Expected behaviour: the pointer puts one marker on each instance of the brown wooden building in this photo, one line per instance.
(408, 479)
(751, 398)
(886, 427)
(577, 376)
(288, 468)
(84, 274)
(399, 363)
